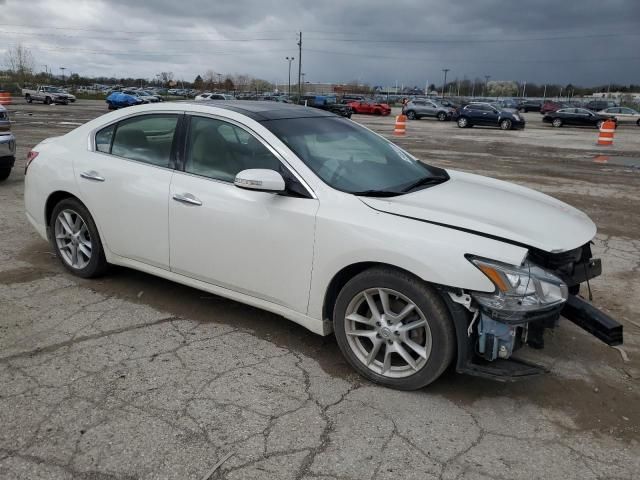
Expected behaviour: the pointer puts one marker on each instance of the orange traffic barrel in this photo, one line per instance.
(5, 98)
(607, 129)
(401, 126)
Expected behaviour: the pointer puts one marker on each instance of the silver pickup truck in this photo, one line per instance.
(48, 95)
(7, 145)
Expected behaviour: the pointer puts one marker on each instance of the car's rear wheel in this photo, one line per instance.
(638, 122)
(442, 116)
(75, 239)
(463, 122)
(393, 328)
(411, 115)
(47, 101)
(506, 124)
(377, 112)
(599, 124)
(28, 98)
(557, 122)
(4, 173)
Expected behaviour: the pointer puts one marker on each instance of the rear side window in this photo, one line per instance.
(103, 139)
(146, 138)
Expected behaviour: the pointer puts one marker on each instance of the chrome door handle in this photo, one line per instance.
(92, 176)
(187, 198)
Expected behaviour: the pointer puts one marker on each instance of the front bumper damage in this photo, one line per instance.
(486, 340)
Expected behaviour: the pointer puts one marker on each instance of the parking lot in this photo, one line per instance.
(134, 377)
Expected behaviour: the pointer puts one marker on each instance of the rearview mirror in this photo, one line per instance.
(260, 179)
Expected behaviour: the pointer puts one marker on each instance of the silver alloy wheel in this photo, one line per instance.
(387, 332)
(462, 122)
(557, 122)
(73, 239)
(505, 125)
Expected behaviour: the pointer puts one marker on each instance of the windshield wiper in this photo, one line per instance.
(377, 193)
(423, 182)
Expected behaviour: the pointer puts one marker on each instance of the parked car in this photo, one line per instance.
(414, 267)
(7, 145)
(420, 108)
(488, 115)
(48, 95)
(120, 99)
(529, 105)
(622, 114)
(154, 97)
(328, 103)
(370, 107)
(597, 105)
(346, 99)
(549, 106)
(576, 117)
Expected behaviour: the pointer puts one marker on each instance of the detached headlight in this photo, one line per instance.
(521, 289)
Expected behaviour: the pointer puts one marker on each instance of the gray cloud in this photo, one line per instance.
(379, 42)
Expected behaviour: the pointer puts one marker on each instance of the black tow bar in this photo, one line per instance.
(594, 321)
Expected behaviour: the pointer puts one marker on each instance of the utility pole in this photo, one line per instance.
(486, 85)
(444, 85)
(544, 95)
(300, 67)
(219, 81)
(473, 89)
(289, 59)
(63, 69)
(524, 88)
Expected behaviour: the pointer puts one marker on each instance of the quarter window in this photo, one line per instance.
(220, 150)
(146, 138)
(103, 139)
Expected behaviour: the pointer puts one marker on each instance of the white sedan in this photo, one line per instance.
(318, 219)
(623, 114)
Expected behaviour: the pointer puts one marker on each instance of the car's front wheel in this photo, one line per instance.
(411, 115)
(4, 173)
(442, 116)
(393, 328)
(506, 124)
(75, 239)
(556, 122)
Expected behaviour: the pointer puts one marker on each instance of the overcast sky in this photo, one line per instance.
(584, 42)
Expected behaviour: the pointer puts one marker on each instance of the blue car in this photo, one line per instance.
(118, 100)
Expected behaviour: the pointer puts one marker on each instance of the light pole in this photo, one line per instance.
(63, 69)
(289, 59)
(302, 79)
(219, 81)
(46, 70)
(486, 85)
(444, 85)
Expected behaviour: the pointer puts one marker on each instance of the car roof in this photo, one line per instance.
(263, 110)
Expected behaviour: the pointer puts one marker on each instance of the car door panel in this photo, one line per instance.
(236, 238)
(128, 200)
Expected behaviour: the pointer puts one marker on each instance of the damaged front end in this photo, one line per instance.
(527, 300)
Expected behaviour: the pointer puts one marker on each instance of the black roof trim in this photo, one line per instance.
(265, 110)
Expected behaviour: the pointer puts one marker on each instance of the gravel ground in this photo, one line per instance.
(133, 377)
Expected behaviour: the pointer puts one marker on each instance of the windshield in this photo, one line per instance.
(52, 90)
(352, 159)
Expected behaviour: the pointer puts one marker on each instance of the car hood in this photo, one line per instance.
(494, 208)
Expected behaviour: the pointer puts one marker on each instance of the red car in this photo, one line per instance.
(550, 106)
(370, 107)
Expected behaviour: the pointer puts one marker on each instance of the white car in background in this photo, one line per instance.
(311, 216)
(623, 114)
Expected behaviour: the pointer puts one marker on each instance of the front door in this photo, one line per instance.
(256, 243)
(124, 182)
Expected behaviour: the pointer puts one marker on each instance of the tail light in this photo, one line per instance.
(31, 156)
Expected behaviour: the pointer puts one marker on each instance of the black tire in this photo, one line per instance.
(4, 173)
(506, 124)
(47, 101)
(599, 124)
(28, 98)
(377, 112)
(426, 299)
(638, 122)
(411, 115)
(556, 122)
(442, 116)
(97, 264)
(463, 122)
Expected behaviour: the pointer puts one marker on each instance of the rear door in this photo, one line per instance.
(124, 182)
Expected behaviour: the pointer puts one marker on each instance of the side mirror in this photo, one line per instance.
(260, 179)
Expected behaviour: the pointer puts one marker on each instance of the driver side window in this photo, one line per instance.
(220, 150)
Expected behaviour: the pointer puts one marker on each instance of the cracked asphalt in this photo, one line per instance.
(133, 377)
